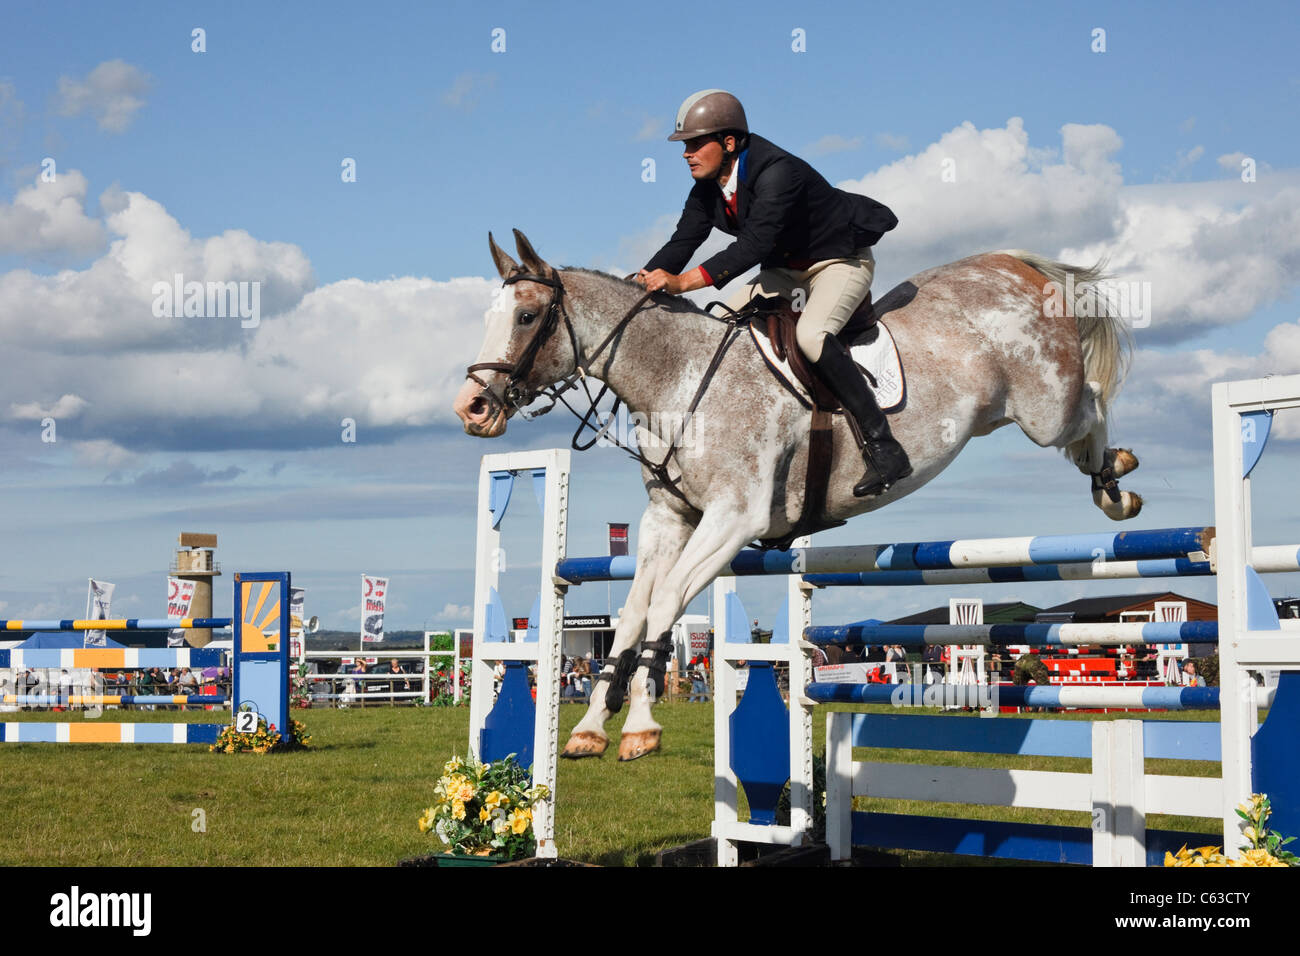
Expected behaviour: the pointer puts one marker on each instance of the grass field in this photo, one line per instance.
(355, 796)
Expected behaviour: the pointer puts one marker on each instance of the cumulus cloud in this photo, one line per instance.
(979, 189)
(67, 406)
(389, 354)
(454, 612)
(112, 93)
(109, 306)
(47, 220)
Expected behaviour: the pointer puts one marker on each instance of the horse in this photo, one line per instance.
(985, 343)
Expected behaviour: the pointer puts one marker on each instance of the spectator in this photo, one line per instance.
(1189, 677)
(395, 667)
(65, 689)
(699, 680)
(583, 670)
(187, 685)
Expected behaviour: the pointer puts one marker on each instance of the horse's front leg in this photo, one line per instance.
(722, 532)
(662, 536)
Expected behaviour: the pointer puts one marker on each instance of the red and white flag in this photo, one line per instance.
(374, 592)
(179, 595)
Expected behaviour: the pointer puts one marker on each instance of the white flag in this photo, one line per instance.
(99, 603)
(373, 594)
(179, 595)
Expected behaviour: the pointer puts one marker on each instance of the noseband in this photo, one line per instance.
(516, 394)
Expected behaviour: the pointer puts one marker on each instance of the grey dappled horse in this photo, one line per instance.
(983, 344)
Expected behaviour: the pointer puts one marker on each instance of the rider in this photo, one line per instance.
(805, 234)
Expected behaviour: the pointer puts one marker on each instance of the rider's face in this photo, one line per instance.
(704, 154)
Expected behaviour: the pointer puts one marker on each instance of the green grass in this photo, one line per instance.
(355, 796)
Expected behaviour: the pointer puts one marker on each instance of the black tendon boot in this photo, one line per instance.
(885, 459)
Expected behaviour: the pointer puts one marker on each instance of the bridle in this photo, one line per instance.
(517, 394)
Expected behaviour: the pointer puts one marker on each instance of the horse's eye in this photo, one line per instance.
(526, 318)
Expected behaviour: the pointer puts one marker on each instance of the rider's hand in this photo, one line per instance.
(660, 280)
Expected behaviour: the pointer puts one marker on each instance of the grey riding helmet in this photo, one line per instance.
(708, 111)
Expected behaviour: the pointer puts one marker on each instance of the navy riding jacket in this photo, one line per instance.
(786, 213)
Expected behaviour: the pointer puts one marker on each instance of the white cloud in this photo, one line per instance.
(108, 305)
(112, 92)
(1004, 194)
(67, 406)
(48, 220)
(387, 354)
(454, 612)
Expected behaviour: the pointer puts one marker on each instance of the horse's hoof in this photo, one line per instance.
(1125, 461)
(1128, 506)
(585, 744)
(638, 744)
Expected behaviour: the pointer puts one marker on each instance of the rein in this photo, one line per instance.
(516, 394)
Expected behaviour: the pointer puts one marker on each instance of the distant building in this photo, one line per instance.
(1129, 608)
(1009, 612)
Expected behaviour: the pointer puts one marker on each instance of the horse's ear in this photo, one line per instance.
(532, 261)
(505, 265)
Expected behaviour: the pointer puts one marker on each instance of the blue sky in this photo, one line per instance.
(229, 161)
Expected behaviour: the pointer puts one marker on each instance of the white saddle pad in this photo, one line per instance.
(879, 357)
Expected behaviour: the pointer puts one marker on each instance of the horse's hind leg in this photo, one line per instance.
(1104, 465)
(722, 532)
(661, 537)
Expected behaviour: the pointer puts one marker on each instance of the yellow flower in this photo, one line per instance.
(520, 819)
(426, 821)
(458, 809)
(452, 765)
(1249, 833)
(466, 791)
(494, 799)
(484, 815)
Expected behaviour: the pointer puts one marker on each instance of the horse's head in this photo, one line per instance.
(528, 344)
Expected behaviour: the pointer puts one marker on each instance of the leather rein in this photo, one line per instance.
(517, 394)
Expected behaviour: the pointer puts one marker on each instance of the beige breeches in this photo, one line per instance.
(829, 292)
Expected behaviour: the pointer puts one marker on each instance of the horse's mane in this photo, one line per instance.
(664, 300)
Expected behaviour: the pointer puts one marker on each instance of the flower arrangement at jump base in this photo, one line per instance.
(1264, 848)
(485, 809)
(263, 740)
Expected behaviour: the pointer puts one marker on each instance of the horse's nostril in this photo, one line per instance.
(478, 406)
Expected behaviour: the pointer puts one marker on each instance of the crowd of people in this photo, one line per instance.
(60, 688)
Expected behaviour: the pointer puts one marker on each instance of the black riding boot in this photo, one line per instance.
(885, 459)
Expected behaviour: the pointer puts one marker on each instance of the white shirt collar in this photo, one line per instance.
(729, 189)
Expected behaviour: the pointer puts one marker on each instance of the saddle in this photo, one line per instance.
(774, 319)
